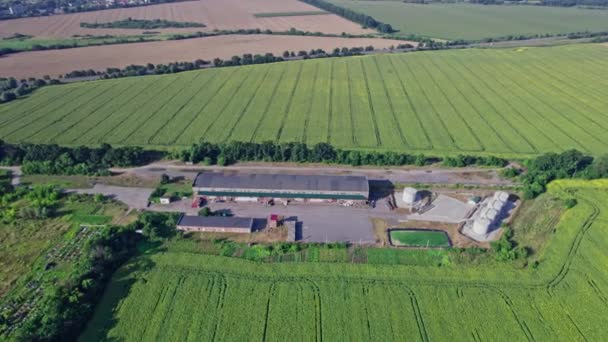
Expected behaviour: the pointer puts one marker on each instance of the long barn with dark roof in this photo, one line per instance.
(259, 187)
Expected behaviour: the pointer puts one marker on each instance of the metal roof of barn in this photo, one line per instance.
(215, 221)
(282, 195)
(281, 182)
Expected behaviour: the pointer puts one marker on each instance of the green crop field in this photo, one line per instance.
(502, 101)
(464, 21)
(417, 238)
(180, 296)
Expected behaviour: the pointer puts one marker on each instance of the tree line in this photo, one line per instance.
(245, 59)
(269, 151)
(142, 24)
(363, 19)
(81, 160)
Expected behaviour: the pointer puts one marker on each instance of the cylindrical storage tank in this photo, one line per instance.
(481, 226)
(496, 205)
(502, 196)
(491, 214)
(409, 195)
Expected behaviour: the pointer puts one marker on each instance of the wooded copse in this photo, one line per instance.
(142, 24)
(363, 19)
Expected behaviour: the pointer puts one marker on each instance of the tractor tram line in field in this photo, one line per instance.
(391, 106)
(289, 102)
(432, 106)
(524, 127)
(137, 129)
(526, 98)
(483, 125)
(494, 100)
(23, 121)
(532, 117)
(114, 108)
(202, 86)
(371, 105)
(461, 119)
(265, 111)
(393, 70)
(310, 102)
(573, 121)
(246, 107)
(198, 113)
(35, 126)
(106, 100)
(558, 92)
(138, 104)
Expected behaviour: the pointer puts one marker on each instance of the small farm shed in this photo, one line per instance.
(222, 224)
(165, 200)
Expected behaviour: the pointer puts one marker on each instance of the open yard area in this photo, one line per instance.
(562, 297)
(499, 101)
(59, 62)
(463, 21)
(215, 14)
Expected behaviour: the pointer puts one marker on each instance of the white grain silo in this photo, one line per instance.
(409, 196)
(491, 214)
(496, 205)
(481, 225)
(502, 196)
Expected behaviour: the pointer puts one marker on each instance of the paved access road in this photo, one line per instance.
(468, 176)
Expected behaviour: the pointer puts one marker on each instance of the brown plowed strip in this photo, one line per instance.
(216, 14)
(56, 62)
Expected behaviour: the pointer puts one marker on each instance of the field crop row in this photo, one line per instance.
(175, 295)
(518, 102)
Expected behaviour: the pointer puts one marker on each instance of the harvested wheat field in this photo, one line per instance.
(57, 62)
(215, 14)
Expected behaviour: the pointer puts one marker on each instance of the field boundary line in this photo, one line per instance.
(268, 104)
(79, 106)
(109, 116)
(330, 96)
(204, 106)
(370, 105)
(447, 98)
(203, 86)
(390, 102)
(169, 99)
(120, 122)
(81, 119)
(246, 107)
(218, 114)
(558, 111)
(525, 102)
(466, 99)
(289, 102)
(311, 100)
(432, 106)
(409, 101)
(496, 112)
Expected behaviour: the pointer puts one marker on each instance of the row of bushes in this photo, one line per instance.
(142, 24)
(54, 159)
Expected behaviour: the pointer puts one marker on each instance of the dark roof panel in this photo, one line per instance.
(227, 180)
(216, 221)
